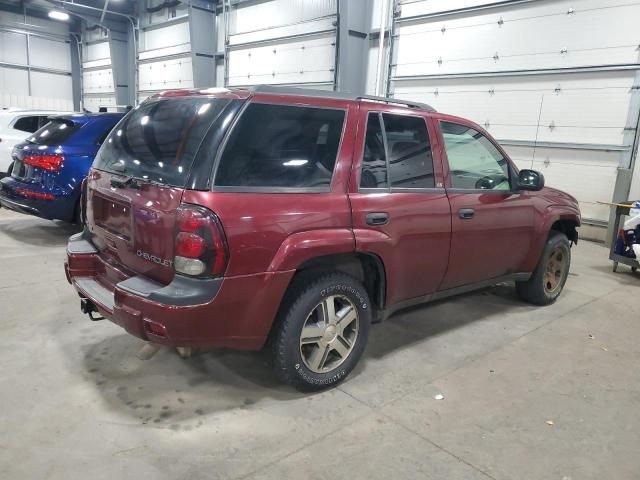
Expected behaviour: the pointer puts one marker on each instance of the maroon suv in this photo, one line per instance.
(295, 218)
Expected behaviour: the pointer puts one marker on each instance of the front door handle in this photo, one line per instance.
(377, 218)
(466, 213)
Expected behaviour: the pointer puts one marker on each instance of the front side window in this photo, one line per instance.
(282, 146)
(399, 156)
(474, 162)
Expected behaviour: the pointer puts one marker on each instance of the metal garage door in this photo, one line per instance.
(165, 56)
(300, 50)
(560, 100)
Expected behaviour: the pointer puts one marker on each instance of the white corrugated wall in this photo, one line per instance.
(282, 42)
(555, 82)
(35, 63)
(164, 51)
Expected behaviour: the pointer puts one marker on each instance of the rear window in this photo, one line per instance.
(56, 132)
(282, 146)
(158, 140)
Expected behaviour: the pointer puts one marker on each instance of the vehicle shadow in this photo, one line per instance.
(38, 232)
(168, 391)
(416, 324)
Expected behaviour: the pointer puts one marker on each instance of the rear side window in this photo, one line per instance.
(282, 146)
(27, 124)
(374, 163)
(158, 140)
(56, 132)
(398, 156)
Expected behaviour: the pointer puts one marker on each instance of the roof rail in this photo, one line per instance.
(398, 101)
(285, 90)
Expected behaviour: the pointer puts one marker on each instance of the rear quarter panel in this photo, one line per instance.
(278, 231)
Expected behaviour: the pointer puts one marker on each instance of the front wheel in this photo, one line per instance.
(548, 279)
(322, 332)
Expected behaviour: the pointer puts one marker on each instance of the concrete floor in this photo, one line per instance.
(76, 402)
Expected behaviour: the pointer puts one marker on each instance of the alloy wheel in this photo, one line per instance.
(329, 334)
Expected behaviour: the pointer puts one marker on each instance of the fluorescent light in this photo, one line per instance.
(57, 15)
(144, 120)
(295, 163)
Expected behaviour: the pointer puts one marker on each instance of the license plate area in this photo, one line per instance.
(112, 215)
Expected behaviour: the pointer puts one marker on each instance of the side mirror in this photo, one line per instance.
(530, 180)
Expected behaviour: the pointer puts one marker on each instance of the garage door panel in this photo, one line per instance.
(593, 135)
(93, 103)
(470, 43)
(164, 37)
(292, 61)
(595, 170)
(166, 74)
(251, 17)
(97, 81)
(300, 49)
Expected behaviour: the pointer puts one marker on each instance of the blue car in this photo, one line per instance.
(50, 165)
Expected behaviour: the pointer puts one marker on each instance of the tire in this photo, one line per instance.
(312, 349)
(548, 279)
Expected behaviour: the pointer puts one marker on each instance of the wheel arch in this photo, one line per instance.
(366, 267)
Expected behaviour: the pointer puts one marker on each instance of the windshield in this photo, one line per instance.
(56, 132)
(158, 140)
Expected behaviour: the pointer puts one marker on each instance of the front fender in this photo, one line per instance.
(302, 246)
(550, 215)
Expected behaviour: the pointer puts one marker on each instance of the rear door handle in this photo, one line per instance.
(377, 218)
(466, 213)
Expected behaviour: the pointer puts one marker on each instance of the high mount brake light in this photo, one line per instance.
(50, 163)
(200, 247)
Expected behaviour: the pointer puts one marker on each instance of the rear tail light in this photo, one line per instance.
(51, 163)
(200, 246)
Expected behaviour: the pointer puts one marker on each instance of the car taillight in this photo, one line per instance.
(200, 247)
(51, 163)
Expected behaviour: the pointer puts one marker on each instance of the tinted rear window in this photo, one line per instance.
(282, 146)
(159, 139)
(56, 132)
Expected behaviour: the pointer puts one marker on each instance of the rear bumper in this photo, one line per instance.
(234, 312)
(60, 208)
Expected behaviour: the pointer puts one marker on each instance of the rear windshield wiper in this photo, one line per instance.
(128, 182)
(134, 182)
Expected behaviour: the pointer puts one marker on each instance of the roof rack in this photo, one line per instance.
(284, 90)
(398, 101)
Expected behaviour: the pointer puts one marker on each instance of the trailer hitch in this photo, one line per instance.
(88, 307)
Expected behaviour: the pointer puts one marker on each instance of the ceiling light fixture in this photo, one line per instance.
(57, 15)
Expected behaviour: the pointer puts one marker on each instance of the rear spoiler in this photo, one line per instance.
(65, 120)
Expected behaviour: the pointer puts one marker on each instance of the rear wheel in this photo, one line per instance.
(547, 281)
(322, 332)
